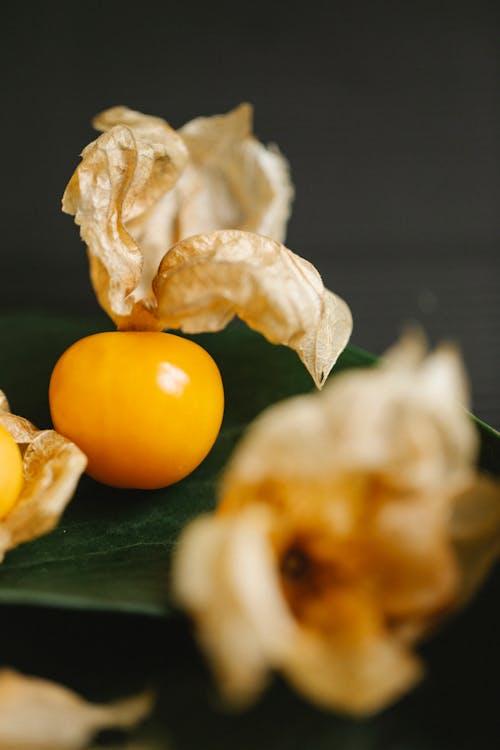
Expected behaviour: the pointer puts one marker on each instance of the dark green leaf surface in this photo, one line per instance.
(111, 551)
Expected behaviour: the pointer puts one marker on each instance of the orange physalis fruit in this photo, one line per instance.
(144, 407)
(11, 471)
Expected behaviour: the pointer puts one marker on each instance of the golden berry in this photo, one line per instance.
(144, 407)
(11, 471)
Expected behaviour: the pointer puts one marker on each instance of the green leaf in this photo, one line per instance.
(111, 553)
(112, 549)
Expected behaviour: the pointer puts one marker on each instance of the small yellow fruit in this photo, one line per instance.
(11, 471)
(144, 407)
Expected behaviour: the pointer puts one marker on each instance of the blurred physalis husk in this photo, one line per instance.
(38, 714)
(351, 523)
(184, 230)
(52, 466)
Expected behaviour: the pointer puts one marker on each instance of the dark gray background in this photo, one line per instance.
(388, 113)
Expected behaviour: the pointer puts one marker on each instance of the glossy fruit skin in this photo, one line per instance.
(144, 407)
(11, 471)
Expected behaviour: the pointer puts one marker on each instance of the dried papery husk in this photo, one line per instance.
(230, 179)
(377, 528)
(139, 189)
(403, 420)
(360, 681)
(121, 177)
(37, 714)
(224, 573)
(204, 281)
(475, 533)
(52, 466)
(183, 230)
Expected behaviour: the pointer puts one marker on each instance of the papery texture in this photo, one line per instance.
(208, 206)
(351, 522)
(232, 180)
(37, 714)
(224, 573)
(229, 180)
(52, 466)
(204, 281)
(123, 174)
(475, 533)
(142, 186)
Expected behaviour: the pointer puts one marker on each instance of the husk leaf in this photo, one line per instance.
(121, 177)
(351, 523)
(232, 181)
(183, 230)
(204, 281)
(37, 714)
(52, 466)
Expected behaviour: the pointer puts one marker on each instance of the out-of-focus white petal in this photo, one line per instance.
(377, 527)
(360, 681)
(224, 575)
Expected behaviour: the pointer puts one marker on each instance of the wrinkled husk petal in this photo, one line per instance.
(403, 420)
(208, 207)
(121, 177)
(37, 714)
(232, 180)
(229, 181)
(204, 281)
(142, 186)
(228, 560)
(475, 533)
(377, 527)
(225, 574)
(52, 466)
(359, 681)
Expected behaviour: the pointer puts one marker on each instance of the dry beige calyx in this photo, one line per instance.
(351, 522)
(38, 714)
(52, 466)
(184, 230)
